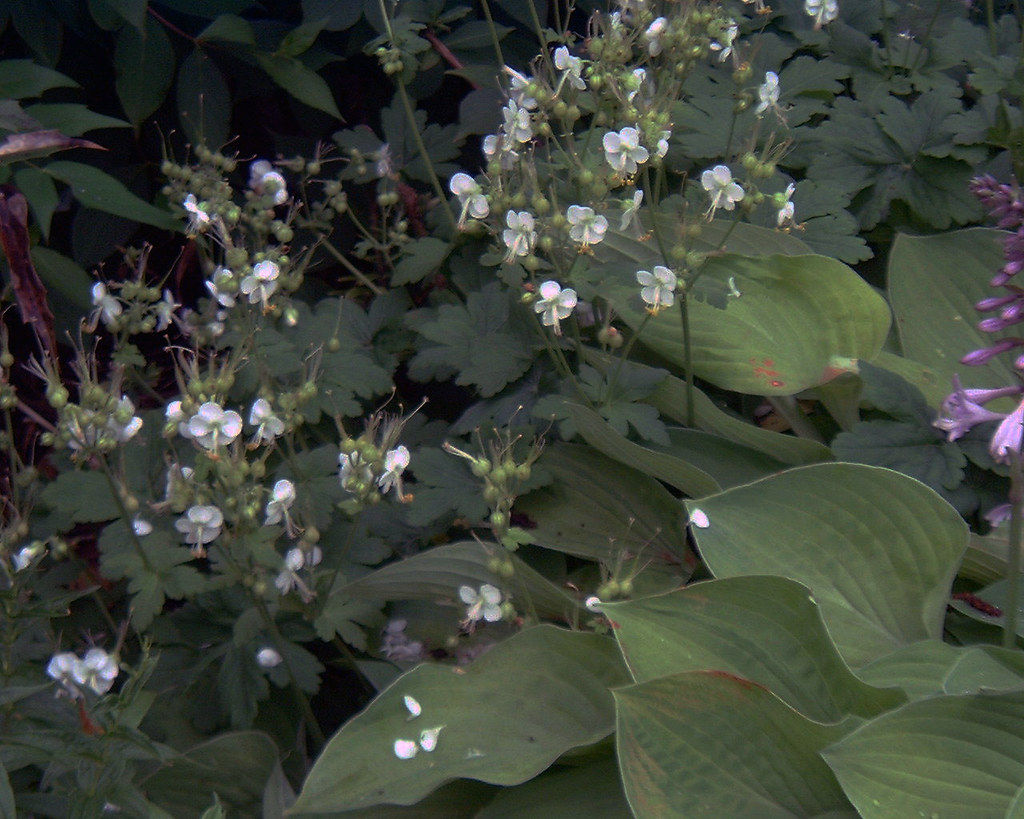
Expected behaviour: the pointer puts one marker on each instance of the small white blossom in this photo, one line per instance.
(261, 284)
(62, 669)
(294, 561)
(222, 286)
(787, 210)
(198, 218)
(200, 525)
(768, 93)
(176, 415)
(352, 469)
(482, 605)
(406, 748)
(653, 36)
(127, 430)
(412, 706)
(281, 499)
(517, 124)
(141, 527)
(23, 558)
(500, 147)
(635, 82)
(396, 645)
(97, 670)
(663, 144)
(699, 518)
(593, 603)
(719, 184)
(428, 738)
(263, 179)
(164, 310)
(555, 304)
(571, 68)
(586, 227)
(631, 211)
(108, 307)
(623, 150)
(520, 235)
(519, 89)
(725, 44)
(268, 425)
(823, 11)
(212, 426)
(395, 463)
(471, 197)
(658, 287)
(268, 657)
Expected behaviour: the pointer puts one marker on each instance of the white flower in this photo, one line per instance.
(211, 426)
(634, 82)
(261, 283)
(263, 179)
(658, 287)
(198, 218)
(141, 527)
(268, 657)
(395, 463)
(520, 236)
(124, 430)
(281, 499)
(586, 227)
(631, 211)
(500, 147)
(412, 706)
(428, 738)
(555, 304)
(164, 310)
(97, 670)
(518, 89)
(268, 425)
(663, 144)
(726, 43)
(294, 561)
(623, 150)
(222, 286)
(482, 605)
(62, 668)
(396, 645)
(823, 11)
(406, 748)
(23, 558)
(200, 525)
(723, 191)
(571, 67)
(787, 210)
(108, 307)
(768, 93)
(653, 36)
(176, 415)
(471, 197)
(517, 122)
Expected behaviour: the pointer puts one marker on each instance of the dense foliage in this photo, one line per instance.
(511, 409)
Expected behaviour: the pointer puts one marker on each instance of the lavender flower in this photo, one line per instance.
(1008, 436)
(963, 409)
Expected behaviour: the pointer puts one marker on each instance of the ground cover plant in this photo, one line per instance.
(604, 410)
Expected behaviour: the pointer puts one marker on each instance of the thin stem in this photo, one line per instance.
(684, 317)
(351, 268)
(125, 514)
(788, 408)
(614, 380)
(494, 32)
(990, 22)
(1013, 561)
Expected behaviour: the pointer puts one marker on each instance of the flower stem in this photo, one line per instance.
(494, 32)
(684, 316)
(125, 514)
(788, 408)
(1013, 561)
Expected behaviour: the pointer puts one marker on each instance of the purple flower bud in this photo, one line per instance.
(1000, 279)
(961, 410)
(994, 303)
(1013, 313)
(985, 354)
(997, 514)
(993, 325)
(1008, 436)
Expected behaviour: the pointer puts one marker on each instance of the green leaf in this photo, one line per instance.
(437, 574)
(484, 343)
(597, 508)
(305, 85)
(796, 316)
(39, 25)
(729, 463)
(706, 745)
(145, 69)
(41, 194)
(301, 38)
(955, 757)
(339, 16)
(444, 488)
(505, 719)
(764, 629)
(919, 668)
(346, 618)
(674, 471)
(79, 496)
(71, 118)
(7, 808)
(132, 12)
(475, 34)
(204, 101)
(96, 189)
(986, 669)
(23, 78)
(953, 269)
(420, 258)
(880, 550)
(229, 28)
(237, 767)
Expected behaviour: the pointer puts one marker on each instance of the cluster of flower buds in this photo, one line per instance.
(373, 464)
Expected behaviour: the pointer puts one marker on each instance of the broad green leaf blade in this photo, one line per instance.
(878, 549)
(953, 270)
(954, 757)
(674, 471)
(728, 462)
(919, 669)
(462, 799)
(145, 69)
(934, 385)
(596, 508)
(986, 669)
(235, 766)
(765, 629)
(96, 189)
(204, 101)
(506, 718)
(437, 574)
(305, 85)
(71, 118)
(41, 193)
(24, 78)
(707, 745)
(796, 319)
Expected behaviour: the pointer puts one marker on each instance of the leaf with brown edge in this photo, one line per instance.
(33, 144)
(28, 289)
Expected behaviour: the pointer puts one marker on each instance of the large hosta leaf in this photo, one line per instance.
(934, 283)
(707, 745)
(954, 757)
(505, 719)
(919, 669)
(878, 549)
(798, 321)
(765, 629)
